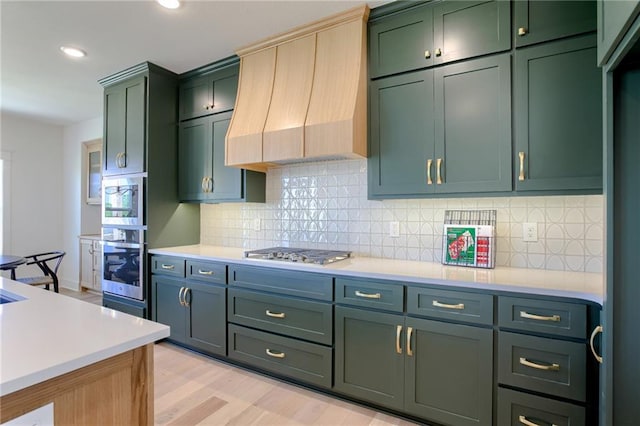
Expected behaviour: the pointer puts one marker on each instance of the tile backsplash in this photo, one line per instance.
(325, 205)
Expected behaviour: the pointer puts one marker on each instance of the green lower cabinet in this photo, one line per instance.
(437, 371)
(196, 312)
(558, 117)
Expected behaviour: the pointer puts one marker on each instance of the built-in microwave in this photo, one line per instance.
(123, 200)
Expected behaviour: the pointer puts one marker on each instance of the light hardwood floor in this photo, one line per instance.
(191, 389)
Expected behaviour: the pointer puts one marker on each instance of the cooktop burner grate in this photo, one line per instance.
(290, 254)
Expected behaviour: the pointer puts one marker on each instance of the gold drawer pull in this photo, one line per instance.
(525, 421)
(274, 314)
(427, 54)
(438, 52)
(169, 267)
(550, 367)
(180, 296)
(439, 171)
(368, 295)
(525, 314)
(429, 163)
(201, 272)
(275, 354)
(447, 306)
(409, 333)
(398, 333)
(522, 31)
(595, 332)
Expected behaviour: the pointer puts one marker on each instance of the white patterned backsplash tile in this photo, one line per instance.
(325, 205)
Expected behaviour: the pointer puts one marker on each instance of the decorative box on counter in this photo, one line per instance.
(469, 238)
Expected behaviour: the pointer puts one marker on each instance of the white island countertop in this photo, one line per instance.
(577, 285)
(47, 334)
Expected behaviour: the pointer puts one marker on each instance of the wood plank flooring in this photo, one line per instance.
(191, 389)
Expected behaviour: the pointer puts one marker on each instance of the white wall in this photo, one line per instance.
(36, 204)
(79, 217)
(47, 209)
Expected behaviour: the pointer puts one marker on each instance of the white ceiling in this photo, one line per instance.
(38, 81)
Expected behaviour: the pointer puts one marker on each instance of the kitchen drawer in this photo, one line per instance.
(554, 367)
(207, 271)
(302, 361)
(516, 408)
(167, 265)
(372, 294)
(292, 317)
(292, 283)
(543, 316)
(451, 305)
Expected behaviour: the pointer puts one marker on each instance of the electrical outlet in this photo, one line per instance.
(394, 229)
(256, 224)
(530, 232)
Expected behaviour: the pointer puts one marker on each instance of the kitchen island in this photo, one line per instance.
(90, 362)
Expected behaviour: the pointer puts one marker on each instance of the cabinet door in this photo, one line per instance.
(207, 316)
(86, 263)
(194, 158)
(369, 356)
(536, 21)
(167, 308)
(412, 30)
(195, 98)
(449, 374)
(464, 29)
(125, 123)
(473, 126)
(225, 89)
(558, 116)
(227, 182)
(401, 135)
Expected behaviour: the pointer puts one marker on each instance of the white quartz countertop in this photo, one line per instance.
(577, 285)
(47, 334)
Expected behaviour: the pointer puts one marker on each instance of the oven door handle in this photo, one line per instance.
(121, 244)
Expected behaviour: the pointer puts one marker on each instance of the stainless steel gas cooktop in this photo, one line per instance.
(290, 254)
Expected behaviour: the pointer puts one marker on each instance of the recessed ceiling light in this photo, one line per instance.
(170, 4)
(73, 51)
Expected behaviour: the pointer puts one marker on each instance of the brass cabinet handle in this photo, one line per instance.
(118, 157)
(522, 31)
(169, 267)
(212, 186)
(438, 52)
(121, 160)
(447, 306)
(427, 54)
(203, 184)
(527, 422)
(201, 272)
(187, 290)
(439, 171)
(429, 164)
(368, 295)
(595, 332)
(275, 354)
(180, 296)
(398, 333)
(274, 314)
(550, 367)
(409, 333)
(521, 175)
(525, 314)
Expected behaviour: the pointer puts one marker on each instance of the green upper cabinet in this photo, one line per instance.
(558, 116)
(442, 131)
(208, 94)
(202, 175)
(614, 19)
(402, 135)
(537, 21)
(124, 127)
(437, 33)
(473, 126)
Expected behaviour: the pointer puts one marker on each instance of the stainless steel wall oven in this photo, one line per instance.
(123, 261)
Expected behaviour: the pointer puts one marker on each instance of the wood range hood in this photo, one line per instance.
(302, 95)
